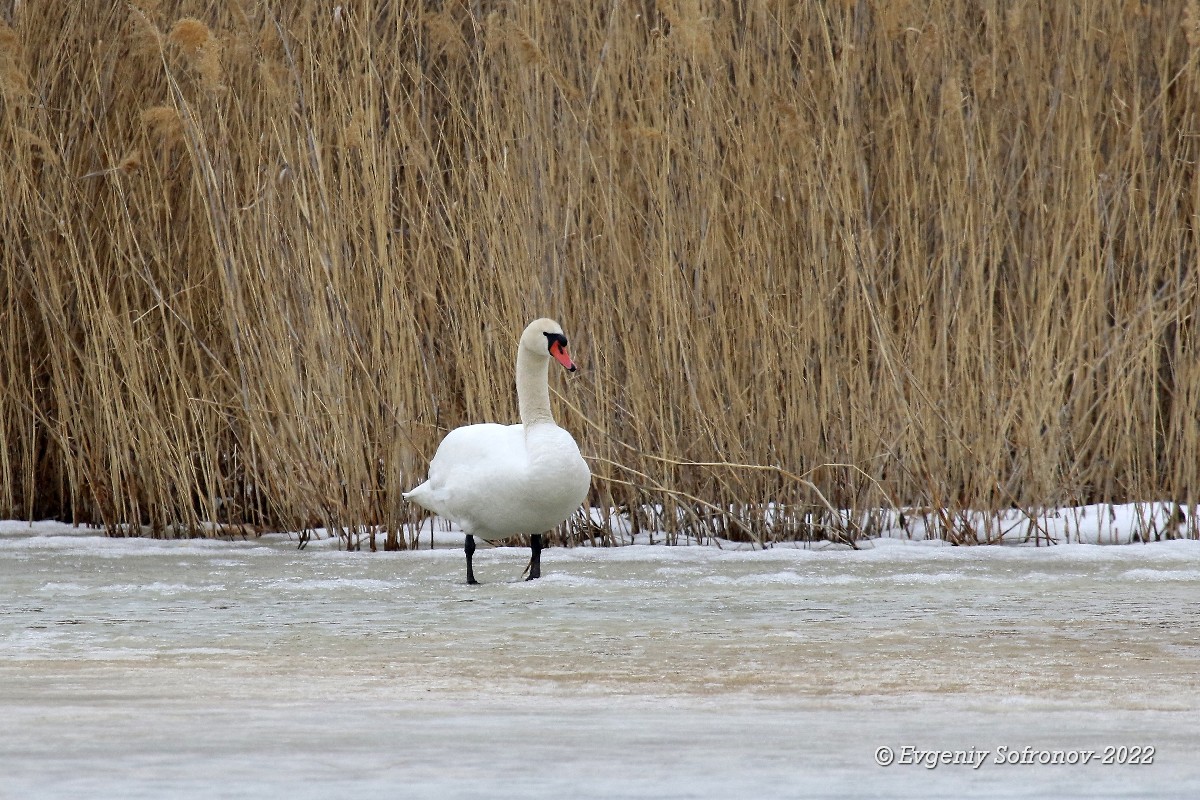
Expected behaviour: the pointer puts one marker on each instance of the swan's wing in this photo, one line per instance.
(475, 451)
(476, 474)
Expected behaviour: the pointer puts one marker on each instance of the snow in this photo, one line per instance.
(1094, 524)
(200, 668)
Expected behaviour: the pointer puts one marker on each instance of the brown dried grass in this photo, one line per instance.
(258, 258)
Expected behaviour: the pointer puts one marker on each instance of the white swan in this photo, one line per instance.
(498, 481)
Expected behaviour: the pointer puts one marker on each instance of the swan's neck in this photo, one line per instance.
(533, 390)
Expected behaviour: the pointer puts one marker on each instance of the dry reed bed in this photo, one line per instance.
(259, 256)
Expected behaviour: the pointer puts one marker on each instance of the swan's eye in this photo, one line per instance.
(553, 338)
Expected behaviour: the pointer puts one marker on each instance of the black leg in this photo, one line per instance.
(469, 547)
(535, 560)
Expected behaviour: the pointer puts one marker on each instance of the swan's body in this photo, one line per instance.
(498, 481)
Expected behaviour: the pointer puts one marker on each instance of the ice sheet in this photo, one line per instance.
(137, 668)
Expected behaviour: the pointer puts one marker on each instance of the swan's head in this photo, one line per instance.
(544, 337)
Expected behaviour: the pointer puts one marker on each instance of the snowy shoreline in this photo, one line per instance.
(1128, 523)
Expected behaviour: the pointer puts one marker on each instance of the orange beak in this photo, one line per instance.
(560, 355)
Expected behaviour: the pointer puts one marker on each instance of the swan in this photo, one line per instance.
(498, 481)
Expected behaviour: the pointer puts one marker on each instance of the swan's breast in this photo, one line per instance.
(558, 476)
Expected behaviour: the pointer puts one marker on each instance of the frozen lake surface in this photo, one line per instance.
(148, 669)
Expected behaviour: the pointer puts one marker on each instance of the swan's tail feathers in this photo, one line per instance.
(417, 494)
